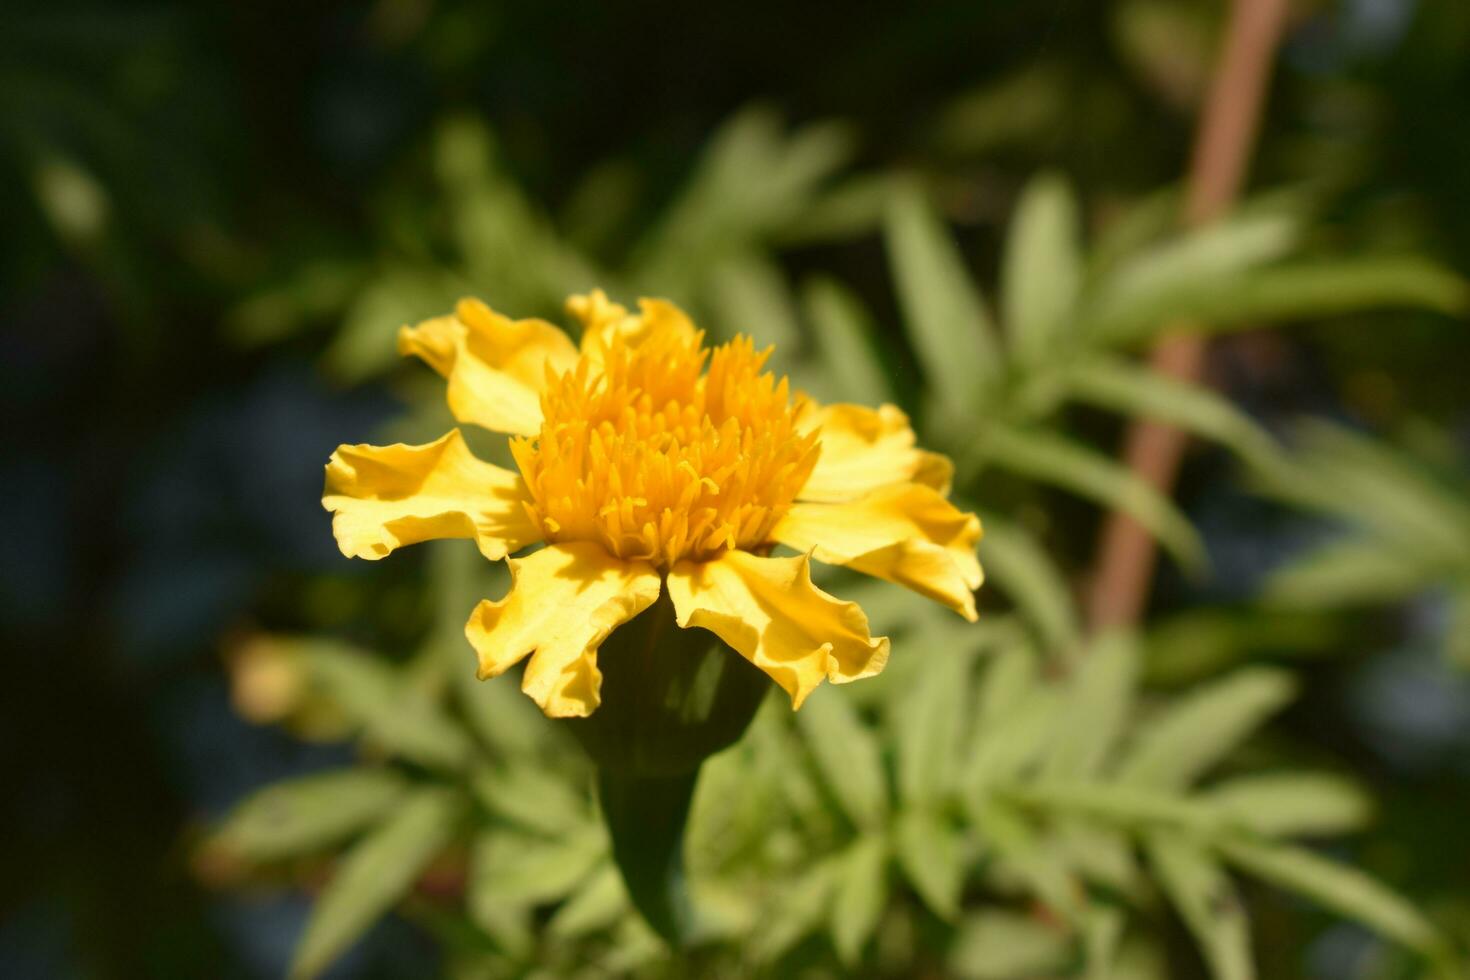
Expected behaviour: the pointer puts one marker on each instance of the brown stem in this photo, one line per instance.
(1223, 144)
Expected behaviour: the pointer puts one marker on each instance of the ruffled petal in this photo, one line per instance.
(603, 321)
(768, 610)
(385, 497)
(496, 366)
(907, 534)
(864, 449)
(564, 600)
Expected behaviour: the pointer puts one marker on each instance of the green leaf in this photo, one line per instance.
(1130, 808)
(1043, 455)
(928, 721)
(1098, 701)
(1154, 287)
(847, 754)
(861, 895)
(999, 945)
(930, 852)
(1350, 571)
(752, 298)
(1193, 734)
(1344, 890)
(302, 815)
(1457, 627)
(1135, 390)
(1304, 290)
(1207, 902)
(1002, 750)
(374, 875)
(945, 316)
(1292, 804)
(598, 903)
(847, 342)
(391, 712)
(1017, 563)
(539, 800)
(515, 870)
(1042, 269)
(799, 909)
(1024, 857)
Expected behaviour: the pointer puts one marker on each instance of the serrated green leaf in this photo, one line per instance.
(861, 895)
(1135, 390)
(999, 945)
(1043, 455)
(1017, 563)
(1292, 804)
(931, 854)
(848, 756)
(943, 312)
(302, 815)
(515, 870)
(1207, 902)
(846, 339)
(1042, 269)
(1180, 743)
(390, 711)
(1097, 704)
(374, 875)
(1341, 889)
(928, 722)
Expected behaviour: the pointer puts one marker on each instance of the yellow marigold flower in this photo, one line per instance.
(651, 463)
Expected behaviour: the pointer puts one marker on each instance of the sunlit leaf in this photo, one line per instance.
(1349, 571)
(1097, 706)
(301, 815)
(946, 319)
(540, 801)
(846, 340)
(1042, 269)
(1018, 564)
(1043, 455)
(374, 875)
(931, 854)
(1020, 855)
(392, 713)
(848, 756)
(999, 945)
(1291, 804)
(927, 722)
(861, 893)
(1135, 390)
(598, 903)
(1194, 733)
(1344, 890)
(799, 909)
(751, 298)
(1207, 902)
(517, 870)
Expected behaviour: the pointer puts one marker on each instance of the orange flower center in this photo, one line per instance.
(658, 459)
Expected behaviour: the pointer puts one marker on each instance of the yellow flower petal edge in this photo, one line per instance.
(564, 600)
(385, 497)
(606, 324)
(908, 534)
(864, 449)
(496, 366)
(768, 610)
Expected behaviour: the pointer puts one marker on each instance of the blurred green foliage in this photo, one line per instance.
(969, 212)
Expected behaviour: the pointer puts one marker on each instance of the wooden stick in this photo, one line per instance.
(1126, 553)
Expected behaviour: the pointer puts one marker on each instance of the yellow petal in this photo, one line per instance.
(385, 497)
(907, 534)
(496, 366)
(864, 449)
(564, 600)
(603, 320)
(768, 610)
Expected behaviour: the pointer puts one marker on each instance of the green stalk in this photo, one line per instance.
(671, 698)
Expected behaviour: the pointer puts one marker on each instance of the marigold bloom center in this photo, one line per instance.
(660, 460)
